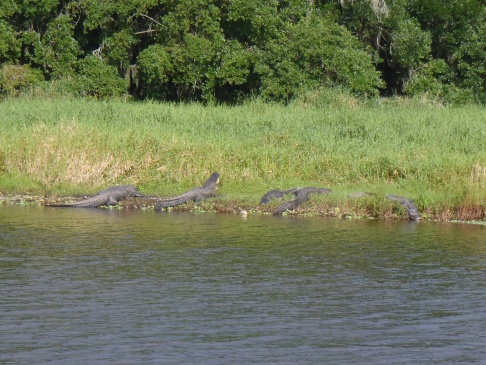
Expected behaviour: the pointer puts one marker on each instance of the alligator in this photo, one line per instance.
(276, 194)
(110, 196)
(411, 209)
(301, 196)
(195, 195)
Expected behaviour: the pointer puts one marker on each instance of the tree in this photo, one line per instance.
(225, 50)
(447, 21)
(410, 46)
(471, 60)
(315, 53)
(9, 44)
(58, 51)
(155, 70)
(379, 7)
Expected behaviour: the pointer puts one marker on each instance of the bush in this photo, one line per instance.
(432, 81)
(95, 78)
(15, 78)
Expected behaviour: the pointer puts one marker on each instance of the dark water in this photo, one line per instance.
(100, 287)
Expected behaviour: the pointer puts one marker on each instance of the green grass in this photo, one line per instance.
(436, 155)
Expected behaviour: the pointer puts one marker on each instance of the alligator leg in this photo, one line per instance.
(112, 201)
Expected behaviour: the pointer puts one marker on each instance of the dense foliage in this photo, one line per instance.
(230, 50)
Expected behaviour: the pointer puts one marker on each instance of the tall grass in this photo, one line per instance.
(437, 155)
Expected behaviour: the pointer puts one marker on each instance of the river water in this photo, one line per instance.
(87, 286)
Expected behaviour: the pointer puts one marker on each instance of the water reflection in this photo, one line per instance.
(97, 286)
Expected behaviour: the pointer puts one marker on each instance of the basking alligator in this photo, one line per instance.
(411, 209)
(301, 196)
(276, 194)
(196, 194)
(110, 196)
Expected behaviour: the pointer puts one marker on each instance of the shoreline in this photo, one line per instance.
(75, 147)
(312, 208)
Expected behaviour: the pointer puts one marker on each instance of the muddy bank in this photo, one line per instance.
(352, 209)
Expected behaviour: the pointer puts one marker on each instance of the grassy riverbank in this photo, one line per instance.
(435, 155)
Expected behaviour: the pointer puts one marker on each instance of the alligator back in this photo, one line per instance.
(301, 196)
(411, 209)
(277, 194)
(197, 194)
(108, 197)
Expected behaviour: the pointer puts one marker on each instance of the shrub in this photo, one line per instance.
(95, 78)
(15, 78)
(432, 81)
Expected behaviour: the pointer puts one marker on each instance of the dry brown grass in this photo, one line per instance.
(478, 174)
